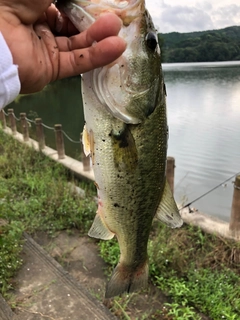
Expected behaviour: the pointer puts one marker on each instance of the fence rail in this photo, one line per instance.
(24, 127)
(230, 230)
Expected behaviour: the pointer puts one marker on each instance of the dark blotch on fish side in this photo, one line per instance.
(124, 148)
(122, 136)
(116, 205)
(123, 142)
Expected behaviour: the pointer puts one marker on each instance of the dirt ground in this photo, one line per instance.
(80, 257)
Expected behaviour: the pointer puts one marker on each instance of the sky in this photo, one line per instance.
(191, 15)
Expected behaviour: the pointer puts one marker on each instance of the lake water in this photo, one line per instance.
(204, 123)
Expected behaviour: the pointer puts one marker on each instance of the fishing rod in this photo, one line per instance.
(206, 193)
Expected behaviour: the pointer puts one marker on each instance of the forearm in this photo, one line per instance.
(9, 78)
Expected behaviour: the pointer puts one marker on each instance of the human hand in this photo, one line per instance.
(28, 27)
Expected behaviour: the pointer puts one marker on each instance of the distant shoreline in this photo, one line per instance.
(201, 46)
(211, 64)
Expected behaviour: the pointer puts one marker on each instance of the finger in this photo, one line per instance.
(107, 25)
(83, 60)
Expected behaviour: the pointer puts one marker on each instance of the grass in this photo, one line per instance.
(34, 195)
(199, 273)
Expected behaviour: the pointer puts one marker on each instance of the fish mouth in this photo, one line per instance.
(118, 4)
(126, 10)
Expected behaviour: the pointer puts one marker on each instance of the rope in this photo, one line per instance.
(70, 139)
(18, 119)
(206, 193)
(45, 126)
(29, 120)
(236, 187)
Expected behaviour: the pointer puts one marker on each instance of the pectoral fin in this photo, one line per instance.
(88, 143)
(167, 211)
(99, 229)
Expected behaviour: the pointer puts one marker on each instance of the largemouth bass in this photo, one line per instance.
(126, 135)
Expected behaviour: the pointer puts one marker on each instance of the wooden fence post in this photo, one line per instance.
(40, 133)
(234, 225)
(3, 119)
(59, 141)
(12, 122)
(170, 172)
(24, 125)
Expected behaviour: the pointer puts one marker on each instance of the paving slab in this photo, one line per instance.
(5, 311)
(46, 291)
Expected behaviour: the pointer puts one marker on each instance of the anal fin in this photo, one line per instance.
(99, 229)
(167, 211)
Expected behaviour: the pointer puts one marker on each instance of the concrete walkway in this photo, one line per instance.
(209, 224)
(47, 291)
(5, 312)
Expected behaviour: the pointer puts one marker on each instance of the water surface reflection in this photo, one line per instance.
(204, 117)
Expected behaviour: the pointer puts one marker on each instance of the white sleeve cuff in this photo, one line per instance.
(9, 80)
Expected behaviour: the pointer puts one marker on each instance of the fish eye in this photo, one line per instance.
(151, 41)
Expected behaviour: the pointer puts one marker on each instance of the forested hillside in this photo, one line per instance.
(213, 45)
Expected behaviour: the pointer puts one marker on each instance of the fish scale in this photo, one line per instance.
(126, 135)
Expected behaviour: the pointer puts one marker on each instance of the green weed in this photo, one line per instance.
(35, 195)
(181, 312)
(11, 246)
(197, 271)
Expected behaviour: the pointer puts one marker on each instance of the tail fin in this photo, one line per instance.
(124, 279)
